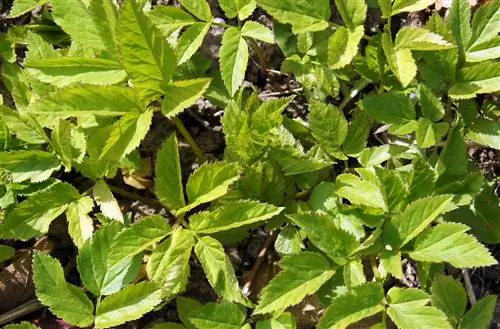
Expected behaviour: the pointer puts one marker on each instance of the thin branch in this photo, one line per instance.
(189, 139)
(20, 311)
(281, 93)
(360, 85)
(468, 286)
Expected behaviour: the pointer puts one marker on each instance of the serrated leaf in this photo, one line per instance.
(353, 12)
(169, 262)
(68, 143)
(301, 275)
(199, 8)
(448, 242)
(185, 305)
(210, 182)
(145, 54)
(390, 263)
(328, 126)
(357, 134)
(408, 311)
(284, 321)
(453, 158)
(93, 100)
(429, 134)
(63, 299)
(415, 38)
(128, 304)
(359, 303)
(480, 78)
(233, 59)
(240, 8)
(35, 166)
(22, 325)
(374, 156)
(343, 46)
(23, 126)
(289, 241)
(481, 314)
(106, 201)
(180, 95)
(104, 15)
(484, 51)
(263, 181)
(217, 316)
(126, 135)
(257, 31)
(64, 71)
(92, 263)
(219, 270)
(324, 234)
(6, 253)
(400, 6)
(191, 41)
(32, 217)
(400, 61)
(21, 7)
(67, 12)
(485, 24)
(394, 187)
(80, 225)
(168, 19)
(232, 215)
(303, 16)
(360, 192)
(432, 108)
(449, 296)
(168, 179)
(459, 21)
(137, 238)
(16, 81)
(392, 107)
(418, 215)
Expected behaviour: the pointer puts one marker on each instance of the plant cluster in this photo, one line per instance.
(378, 171)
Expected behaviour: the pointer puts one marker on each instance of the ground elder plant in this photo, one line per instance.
(375, 175)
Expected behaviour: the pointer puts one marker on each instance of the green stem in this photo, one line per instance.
(376, 273)
(222, 25)
(260, 54)
(384, 317)
(360, 85)
(189, 139)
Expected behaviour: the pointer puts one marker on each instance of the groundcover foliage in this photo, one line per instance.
(381, 176)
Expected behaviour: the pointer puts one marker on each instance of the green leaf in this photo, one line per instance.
(324, 234)
(169, 262)
(191, 41)
(400, 61)
(357, 134)
(180, 95)
(21, 7)
(353, 12)
(104, 15)
(16, 81)
(453, 158)
(374, 156)
(301, 14)
(343, 46)
(360, 192)
(168, 179)
(328, 126)
(23, 126)
(67, 12)
(106, 201)
(22, 325)
(145, 54)
(232, 215)
(481, 78)
(432, 108)
(448, 242)
(199, 8)
(284, 321)
(257, 31)
(168, 19)
(302, 275)
(63, 299)
(80, 225)
(359, 303)
(418, 215)
(449, 296)
(64, 71)
(263, 181)
(400, 6)
(422, 180)
(137, 238)
(35, 166)
(394, 186)
(481, 314)
(219, 270)
(93, 100)
(459, 21)
(233, 59)
(392, 107)
(32, 217)
(210, 182)
(97, 277)
(6, 253)
(485, 25)
(126, 135)
(408, 311)
(415, 38)
(185, 305)
(68, 143)
(220, 316)
(484, 51)
(289, 241)
(128, 304)
(429, 134)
